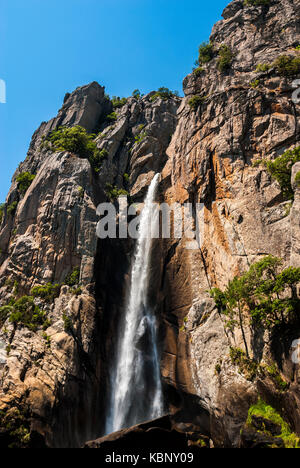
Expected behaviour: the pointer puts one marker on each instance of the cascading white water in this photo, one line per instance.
(136, 394)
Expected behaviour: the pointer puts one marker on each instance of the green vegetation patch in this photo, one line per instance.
(256, 2)
(248, 367)
(118, 102)
(72, 279)
(297, 179)
(14, 426)
(113, 192)
(26, 313)
(12, 208)
(286, 65)
(274, 373)
(265, 296)
(206, 53)
(255, 83)
(196, 101)
(198, 71)
(5, 312)
(225, 58)
(262, 410)
(68, 325)
(48, 292)
(112, 117)
(76, 140)
(164, 93)
(262, 68)
(24, 181)
(281, 170)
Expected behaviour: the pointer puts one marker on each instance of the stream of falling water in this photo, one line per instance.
(136, 394)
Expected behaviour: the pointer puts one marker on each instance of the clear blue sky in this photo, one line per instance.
(50, 47)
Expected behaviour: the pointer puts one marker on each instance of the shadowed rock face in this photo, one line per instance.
(158, 434)
(204, 155)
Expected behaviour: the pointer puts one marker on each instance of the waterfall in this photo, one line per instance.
(136, 394)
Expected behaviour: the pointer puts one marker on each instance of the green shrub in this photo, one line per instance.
(5, 312)
(114, 192)
(112, 117)
(12, 208)
(297, 179)
(262, 410)
(255, 83)
(76, 291)
(286, 65)
(24, 181)
(256, 2)
(248, 367)
(27, 314)
(97, 159)
(276, 377)
(126, 178)
(47, 339)
(48, 292)
(72, 279)
(281, 170)
(198, 71)
(164, 93)
(137, 94)
(225, 58)
(206, 53)
(140, 137)
(262, 68)
(2, 208)
(76, 140)
(118, 102)
(80, 192)
(15, 426)
(196, 101)
(68, 326)
(297, 47)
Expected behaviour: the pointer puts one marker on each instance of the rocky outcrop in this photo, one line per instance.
(160, 434)
(205, 155)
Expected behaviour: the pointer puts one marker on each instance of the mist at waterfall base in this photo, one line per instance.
(136, 390)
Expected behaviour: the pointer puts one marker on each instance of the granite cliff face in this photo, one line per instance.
(56, 381)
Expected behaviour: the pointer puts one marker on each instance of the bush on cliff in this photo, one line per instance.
(206, 53)
(12, 208)
(48, 292)
(256, 2)
(286, 65)
(76, 140)
(196, 101)
(113, 192)
(225, 58)
(281, 170)
(265, 296)
(24, 181)
(25, 312)
(118, 102)
(15, 428)
(72, 279)
(164, 93)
